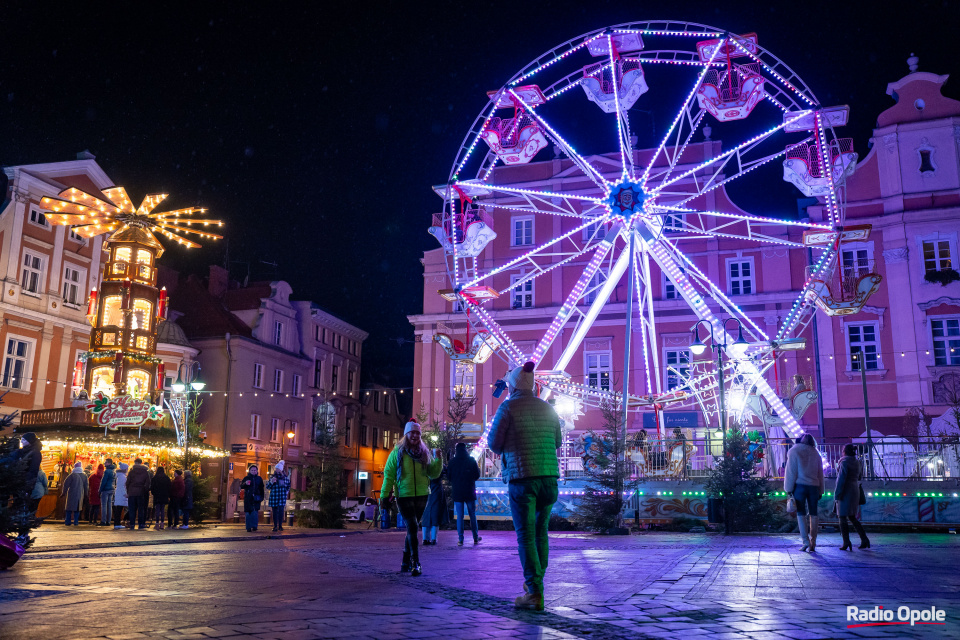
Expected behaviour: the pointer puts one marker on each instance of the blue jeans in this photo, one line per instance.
(531, 501)
(186, 517)
(430, 533)
(252, 517)
(106, 506)
(472, 511)
(76, 518)
(807, 497)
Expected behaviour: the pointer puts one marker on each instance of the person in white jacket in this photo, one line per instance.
(803, 480)
(120, 500)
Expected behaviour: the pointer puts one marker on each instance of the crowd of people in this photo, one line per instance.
(120, 495)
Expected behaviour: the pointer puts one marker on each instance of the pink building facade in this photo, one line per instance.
(907, 186)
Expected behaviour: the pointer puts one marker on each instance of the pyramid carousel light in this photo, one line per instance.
(607, 217)
(128, 307)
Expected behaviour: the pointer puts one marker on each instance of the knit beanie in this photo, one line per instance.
(521, 377)
(30, 437)
(279, 466)
(411, 426)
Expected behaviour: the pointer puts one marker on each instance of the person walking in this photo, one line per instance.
(94, 484)
(252, 488)
(279, 485)
(408, 470)
(160, 488)
(176, 500)
(75, 488)
(138, 490)
(526, 433)
(847, 497)
(464, 472)
(435, 512)
(803, 480)
(120, 500)
(187, 504)
(108, 489)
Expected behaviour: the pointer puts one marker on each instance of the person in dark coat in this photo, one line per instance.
(464, 472)
(94, 484)
(75, 489)
(138, 489)
(252, 487)
(847, 497)
(435, 513)
(187, 505)
(176, 498)
(160, 488)
(108, 488)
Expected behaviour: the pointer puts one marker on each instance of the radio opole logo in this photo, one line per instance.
(878, 616)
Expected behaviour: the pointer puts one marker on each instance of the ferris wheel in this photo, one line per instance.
(625, 209)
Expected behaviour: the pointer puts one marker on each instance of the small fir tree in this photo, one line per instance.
(16, 517)
(323, 480)
(610, 478)
(745, 503)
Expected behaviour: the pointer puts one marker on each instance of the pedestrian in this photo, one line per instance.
(87, 471)
(160, 488)
(252, 488)
(464, 472)
(803, 480)
(526, 433)
(39, 490)
(408, 470)
(435, 513)
(120, 500)
(279, 486)
(176, 500)
(138, 490)
(94, 483)
(108, 489)
(847, 497)
(75, 488)
(187, 504)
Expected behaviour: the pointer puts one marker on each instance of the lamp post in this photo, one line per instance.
(188, 381)
(737, 348)
(288, 435)
(862, 363)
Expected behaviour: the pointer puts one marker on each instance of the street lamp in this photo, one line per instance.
(188, 381)
(289, 434)
(736, 349)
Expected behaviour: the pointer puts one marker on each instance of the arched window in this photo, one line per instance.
(138, 383)
(112, 314)
(102, 380)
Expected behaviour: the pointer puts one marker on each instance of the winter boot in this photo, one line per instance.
(814, 529)
(845, 533)
(864, 540)
(531, 601)
(804, 525)
(416, 570)
(405, 565)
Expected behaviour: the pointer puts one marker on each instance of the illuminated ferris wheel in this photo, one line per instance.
(624, 211)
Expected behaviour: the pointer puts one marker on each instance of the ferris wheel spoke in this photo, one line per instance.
(623, 125)
(683, 115)
(536, 201)
(539, 269)
(565, 146)
(648, 327)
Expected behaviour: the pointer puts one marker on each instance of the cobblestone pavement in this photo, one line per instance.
(644, 586)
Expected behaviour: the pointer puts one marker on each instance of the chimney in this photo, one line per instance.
(218, 281)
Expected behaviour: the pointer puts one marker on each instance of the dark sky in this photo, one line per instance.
(316, 129)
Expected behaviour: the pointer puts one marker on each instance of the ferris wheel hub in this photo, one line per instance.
(626, 199)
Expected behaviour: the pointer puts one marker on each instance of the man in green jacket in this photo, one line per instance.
(526, 433)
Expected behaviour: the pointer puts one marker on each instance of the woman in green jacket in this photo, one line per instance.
(409, 469)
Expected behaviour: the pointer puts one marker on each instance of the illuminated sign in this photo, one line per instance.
(122, 411)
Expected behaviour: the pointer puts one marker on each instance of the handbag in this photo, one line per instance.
(863, 496)
(791, 505)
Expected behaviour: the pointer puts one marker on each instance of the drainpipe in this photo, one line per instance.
(226, 412)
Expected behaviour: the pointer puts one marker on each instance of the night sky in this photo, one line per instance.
(316, 132)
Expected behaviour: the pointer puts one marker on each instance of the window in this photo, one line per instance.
(376, 400)
(258, 376)
(15, 363)
(926, 161)
(936, 255)
(295, 430)
(76, 237)
(673, 221)
(863, 339)
(596, 283)
(338, 341)
(296, 385)
(386, 403)
(112, 314)
(71, 286)
(522, 297)
(274, 429)
(376, 437)
(324, 336)
(38, 218)
(334, 377)
(278, 380)
(32, 275)
(669, 290)
(464, 379)
(363, 436)
(318, 373)
(678, 367)
(595, 231)
(278, 333)
(740, 273)
(856, 262)
(396, 438)
(350, 375)
(347, 432)
(142, 314)
(254, 426)
(946, 341)
(522, 232)
(598, 369)
(386, 439)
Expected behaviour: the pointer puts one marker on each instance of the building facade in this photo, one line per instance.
(383, 423)
(907, 187)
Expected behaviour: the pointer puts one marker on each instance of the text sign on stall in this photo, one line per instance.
(238, 448)
(122, 411)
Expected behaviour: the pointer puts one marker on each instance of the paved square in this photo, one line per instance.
(227, 583)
